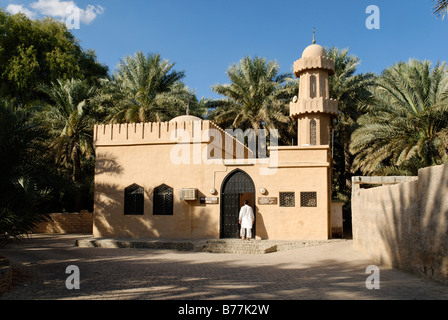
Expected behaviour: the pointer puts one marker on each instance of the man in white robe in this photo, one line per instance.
(246, 220)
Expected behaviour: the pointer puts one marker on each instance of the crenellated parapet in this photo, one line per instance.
(146, 133)
(311, 63)
(201, 131)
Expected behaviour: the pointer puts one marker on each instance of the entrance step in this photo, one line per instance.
(255, 246)
(237, 246)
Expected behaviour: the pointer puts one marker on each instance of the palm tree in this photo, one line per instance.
(406, 127)
(70, 116)
(145, 88)
(257, 96)
(351, 92)
(441, 7)
(24, 183)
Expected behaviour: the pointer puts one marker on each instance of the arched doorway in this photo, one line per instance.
(237, 187)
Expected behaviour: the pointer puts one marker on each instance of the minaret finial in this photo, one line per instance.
(188, 108)
(314, 36)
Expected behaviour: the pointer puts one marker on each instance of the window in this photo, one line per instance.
(313, 132)
(287, 199)
(133, 200)
(163, 201)
(313, 87)
(308, 199)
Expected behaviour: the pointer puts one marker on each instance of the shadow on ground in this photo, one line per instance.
(136, 274)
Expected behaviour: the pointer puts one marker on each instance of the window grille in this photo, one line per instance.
(308, 199)
(313, 87)
(287, 199)
(163, 201)
(133, 200)
(313, 132)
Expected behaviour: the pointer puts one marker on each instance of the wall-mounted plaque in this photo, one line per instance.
(209, 200)
(267, 201)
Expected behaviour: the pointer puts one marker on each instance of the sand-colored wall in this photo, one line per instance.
(151, 165)
(406, 225)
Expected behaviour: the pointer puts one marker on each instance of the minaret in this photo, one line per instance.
(314, 109)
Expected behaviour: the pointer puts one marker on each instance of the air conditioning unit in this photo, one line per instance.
(189, 194)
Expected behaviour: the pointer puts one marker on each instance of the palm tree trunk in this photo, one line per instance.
(347, 160)
(78, 197)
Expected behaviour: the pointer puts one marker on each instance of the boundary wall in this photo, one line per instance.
(67, 223)
(404, 223)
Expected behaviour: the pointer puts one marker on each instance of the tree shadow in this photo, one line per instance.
(166, 275)
(185, 223)
(399, 213)
(433, 223)
(107, 165)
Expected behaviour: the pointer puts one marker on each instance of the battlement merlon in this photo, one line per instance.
(141, 133)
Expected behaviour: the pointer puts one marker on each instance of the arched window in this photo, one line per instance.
(313, 87)
(163, 201)
(133, 200)
(313, 132)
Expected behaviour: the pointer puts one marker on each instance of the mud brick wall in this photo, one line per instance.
(67, 223)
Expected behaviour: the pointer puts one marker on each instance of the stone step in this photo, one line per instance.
(237, 246)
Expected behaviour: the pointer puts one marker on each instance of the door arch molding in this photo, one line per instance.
(235, 186)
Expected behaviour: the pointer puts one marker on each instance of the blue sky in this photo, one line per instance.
(204, 37)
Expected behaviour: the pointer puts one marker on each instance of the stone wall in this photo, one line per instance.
(405, 225)
(67, 223)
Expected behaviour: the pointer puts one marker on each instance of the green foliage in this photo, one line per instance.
(40, 51)
(257, 96)
(146, 88)
(441, 8)
(406, 125)
(69, 117)
(351, 91)
(21, 69)
(25, 184)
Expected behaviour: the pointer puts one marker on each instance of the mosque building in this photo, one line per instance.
(188, 178)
